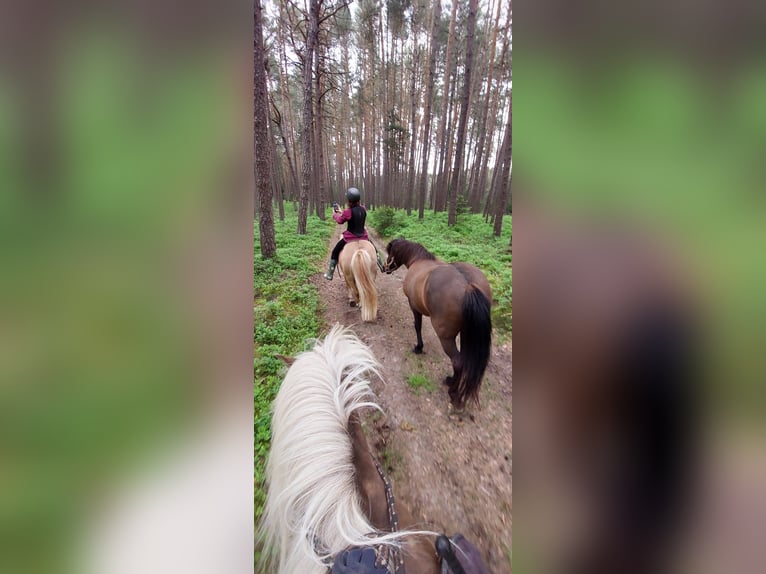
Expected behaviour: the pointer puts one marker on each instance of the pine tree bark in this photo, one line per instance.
(277, 174)
(287, 131)
(474, 197)
(464, 103)
(427, 114)
(490, 130)
(413, 138)
(342, 147)
(503, 180)
(308, 115)
(318, 147)
(279, 121)
(442, 143)
(261, 139)
(445, 169)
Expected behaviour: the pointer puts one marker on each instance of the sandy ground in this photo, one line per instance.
(453, 470)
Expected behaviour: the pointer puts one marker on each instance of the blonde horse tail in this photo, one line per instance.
(364, 276)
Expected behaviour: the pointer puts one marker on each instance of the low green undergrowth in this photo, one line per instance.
(388, 221)
(286, 312)
(471, 240)
(420, 382)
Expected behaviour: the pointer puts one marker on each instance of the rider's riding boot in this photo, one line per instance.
(381, 266)
(331, 269)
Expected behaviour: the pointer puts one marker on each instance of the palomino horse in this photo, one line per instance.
(458, 298)
(358, 262)
(326, 493)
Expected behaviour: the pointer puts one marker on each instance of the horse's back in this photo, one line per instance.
(448, 283)
(359, 267)
(415, 283)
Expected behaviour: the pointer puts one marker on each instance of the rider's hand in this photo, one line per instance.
(357, 561)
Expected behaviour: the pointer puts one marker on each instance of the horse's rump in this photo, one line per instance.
(444, 287)
(474, 275)
(364, 276)
(359, 267)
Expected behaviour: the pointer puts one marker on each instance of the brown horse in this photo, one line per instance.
(326, 493)
(358, 262)
(458, 298)
(604, 394)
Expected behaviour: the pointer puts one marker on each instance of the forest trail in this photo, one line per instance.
(454, 471)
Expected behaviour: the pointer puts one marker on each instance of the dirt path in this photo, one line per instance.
(454, 471)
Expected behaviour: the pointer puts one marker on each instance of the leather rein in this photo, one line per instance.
(386, 555)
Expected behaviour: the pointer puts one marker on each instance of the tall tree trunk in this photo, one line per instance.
(261, 138)
(386, 171)
(288, 131)
(279, 121)
(413, 138)
(308, 107)
(490, 130)
(319, 168)
(444, 169)
(277, 174)
(429, 102)
(442, 142)
(341, 143)
(474, 197)
(503, 190)
(465, 97)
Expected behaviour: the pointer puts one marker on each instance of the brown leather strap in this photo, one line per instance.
(389, 556)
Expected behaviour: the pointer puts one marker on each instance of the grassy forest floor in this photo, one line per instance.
(453, 471)
(285, 314)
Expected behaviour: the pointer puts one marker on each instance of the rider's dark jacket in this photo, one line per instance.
(356, 216)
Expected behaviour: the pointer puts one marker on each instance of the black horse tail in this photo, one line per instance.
(657, 409)
(475, 342)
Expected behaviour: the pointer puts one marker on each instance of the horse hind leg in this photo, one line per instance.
(353, 295)
(453, 382)
(418, 348)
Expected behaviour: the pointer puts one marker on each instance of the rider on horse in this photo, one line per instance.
(355, 214)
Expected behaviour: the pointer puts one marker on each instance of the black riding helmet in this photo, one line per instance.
(353, 195)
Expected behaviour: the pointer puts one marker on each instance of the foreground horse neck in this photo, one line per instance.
(368, 481)
(419, 553)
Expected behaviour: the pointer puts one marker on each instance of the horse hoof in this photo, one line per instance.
(417, 350)
(448, 381)
(352, 303)
(457, 406)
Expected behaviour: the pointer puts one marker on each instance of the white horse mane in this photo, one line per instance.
(312, 508)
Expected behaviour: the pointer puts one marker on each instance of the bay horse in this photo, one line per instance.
(607, 384)
(458, 298)
(326, 493)
(358, 262)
